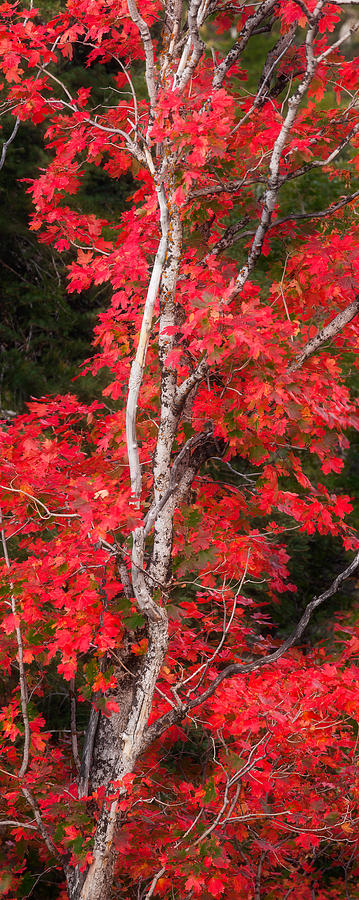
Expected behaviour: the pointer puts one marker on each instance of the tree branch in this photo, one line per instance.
(339, 42)
(235, 231)
(175, 715)
(87, 753)
(321, 214)
(138, 364)
(191, 381)
(329, 331)
(169, 414)
(15, 824)
(74, 741)
(9, 141)
(195, 17)
(237, 49)
(320, 163)
(274, 56)
(154, 883)
(27, 793)
(273, 185)
(148, 48)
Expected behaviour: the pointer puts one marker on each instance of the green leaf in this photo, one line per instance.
(134, 621)
(210, 791)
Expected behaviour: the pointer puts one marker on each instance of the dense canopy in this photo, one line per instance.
(168, 726)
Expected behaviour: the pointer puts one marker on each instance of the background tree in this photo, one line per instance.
(138, 532)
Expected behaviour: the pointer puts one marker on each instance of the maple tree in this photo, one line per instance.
(217, 759)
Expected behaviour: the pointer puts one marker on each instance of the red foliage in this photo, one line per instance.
(262, 788)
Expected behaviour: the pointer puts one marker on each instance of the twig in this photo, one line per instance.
(205, 666)
(48, 512)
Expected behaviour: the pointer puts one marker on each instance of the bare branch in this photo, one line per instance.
(169, 414)
(148, 48)
(39, 505)
(274, 56)
(228, 238)
(325, 334)
(173, 16)
(321, 214)
(138, 364)
(230, 187)
(14, 824)
(292, 639)
(339, 42)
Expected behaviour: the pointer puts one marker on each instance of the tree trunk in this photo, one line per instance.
(117, 746)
